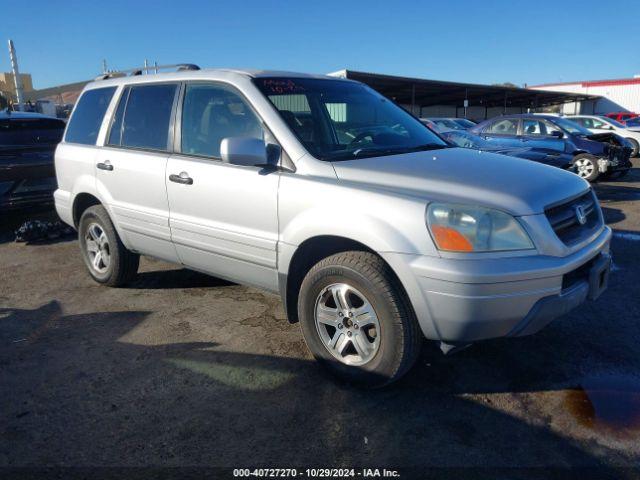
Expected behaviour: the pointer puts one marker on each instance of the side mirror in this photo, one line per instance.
(248, 152)
(557, 134)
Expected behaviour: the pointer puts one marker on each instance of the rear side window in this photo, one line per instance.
(115, 133)
(147, 116)
(87, 117)
(507, 126)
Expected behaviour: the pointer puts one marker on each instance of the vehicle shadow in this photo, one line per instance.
(82, 395)
(176, 278)
(616, 192)
(612, 215)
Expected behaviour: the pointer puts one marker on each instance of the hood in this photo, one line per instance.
(458, 175)
(548, 157)
(599, 143)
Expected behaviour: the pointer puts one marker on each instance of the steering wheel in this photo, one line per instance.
(361, 136)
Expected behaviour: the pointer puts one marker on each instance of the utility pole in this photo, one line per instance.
(16, 74)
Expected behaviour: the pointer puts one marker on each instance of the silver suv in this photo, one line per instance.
(373, 230)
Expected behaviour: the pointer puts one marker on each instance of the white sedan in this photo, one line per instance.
(598, 124)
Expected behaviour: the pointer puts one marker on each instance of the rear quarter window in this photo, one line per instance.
(86, 120)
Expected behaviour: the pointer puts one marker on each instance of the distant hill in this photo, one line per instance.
(68, 93)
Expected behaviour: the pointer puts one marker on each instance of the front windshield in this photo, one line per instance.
(446, 123)
(465, 123)
(571, 127)
(340, 120)
(613, 122)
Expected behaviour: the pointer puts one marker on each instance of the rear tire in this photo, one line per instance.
(106, 258)
(371, 349)
(586, 166)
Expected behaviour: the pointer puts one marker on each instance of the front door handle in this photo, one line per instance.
(106, 165)
(183, 178)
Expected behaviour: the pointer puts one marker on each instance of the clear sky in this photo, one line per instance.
(481, 41)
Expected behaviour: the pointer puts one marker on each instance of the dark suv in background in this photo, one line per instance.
(27, 144)
(593, 153)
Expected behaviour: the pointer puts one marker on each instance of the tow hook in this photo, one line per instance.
(451, 348)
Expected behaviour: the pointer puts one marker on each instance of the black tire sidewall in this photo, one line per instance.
(99, 215)
(384, 364)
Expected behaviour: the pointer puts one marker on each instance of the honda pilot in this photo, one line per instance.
(374, 231)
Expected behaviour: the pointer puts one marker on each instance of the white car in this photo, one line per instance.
(599, 124)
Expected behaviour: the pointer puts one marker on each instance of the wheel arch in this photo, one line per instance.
(81, 202)
(306, 255)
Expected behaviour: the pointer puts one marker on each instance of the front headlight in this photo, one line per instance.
(465, 228)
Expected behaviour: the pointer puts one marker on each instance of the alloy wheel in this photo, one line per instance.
(97, 246)
(584, 167)
(347, 324)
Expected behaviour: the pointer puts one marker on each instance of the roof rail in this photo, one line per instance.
(179, 67)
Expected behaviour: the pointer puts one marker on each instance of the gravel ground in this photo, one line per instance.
(181, 369)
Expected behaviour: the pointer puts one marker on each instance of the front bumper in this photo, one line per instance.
(613, 165)
(463, 301)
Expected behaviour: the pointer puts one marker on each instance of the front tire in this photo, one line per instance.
(635, 146)
(586, 167)
(106, 258)
(356, 319)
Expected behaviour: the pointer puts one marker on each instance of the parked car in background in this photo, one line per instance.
(27, 145)
(465, 122)
(602, 124)
(374, 230)
(593, 153)
(444, 124)
(621, 117)
(465, 139)
(633, 124)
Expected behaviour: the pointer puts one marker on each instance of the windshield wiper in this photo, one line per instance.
(397, 150)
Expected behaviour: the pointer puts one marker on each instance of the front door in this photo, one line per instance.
(223, 218)
(537, 133)
(131, 168)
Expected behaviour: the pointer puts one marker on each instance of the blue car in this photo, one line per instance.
(464, 139)
(633, 123)
(592, 153)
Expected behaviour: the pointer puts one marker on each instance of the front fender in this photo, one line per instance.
(382, 220)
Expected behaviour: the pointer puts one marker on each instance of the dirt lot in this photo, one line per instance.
(181, 369)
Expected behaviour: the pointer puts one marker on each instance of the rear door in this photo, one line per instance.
(503, 132)
(224, 218)
(130, 169)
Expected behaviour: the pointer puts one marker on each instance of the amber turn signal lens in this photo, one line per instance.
(450, 239)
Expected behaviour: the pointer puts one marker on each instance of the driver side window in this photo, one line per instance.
(211, 113)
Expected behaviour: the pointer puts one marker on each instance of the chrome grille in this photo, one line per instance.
(565, 220)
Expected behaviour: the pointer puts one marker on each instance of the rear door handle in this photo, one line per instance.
(106, 165)
(183, 178)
